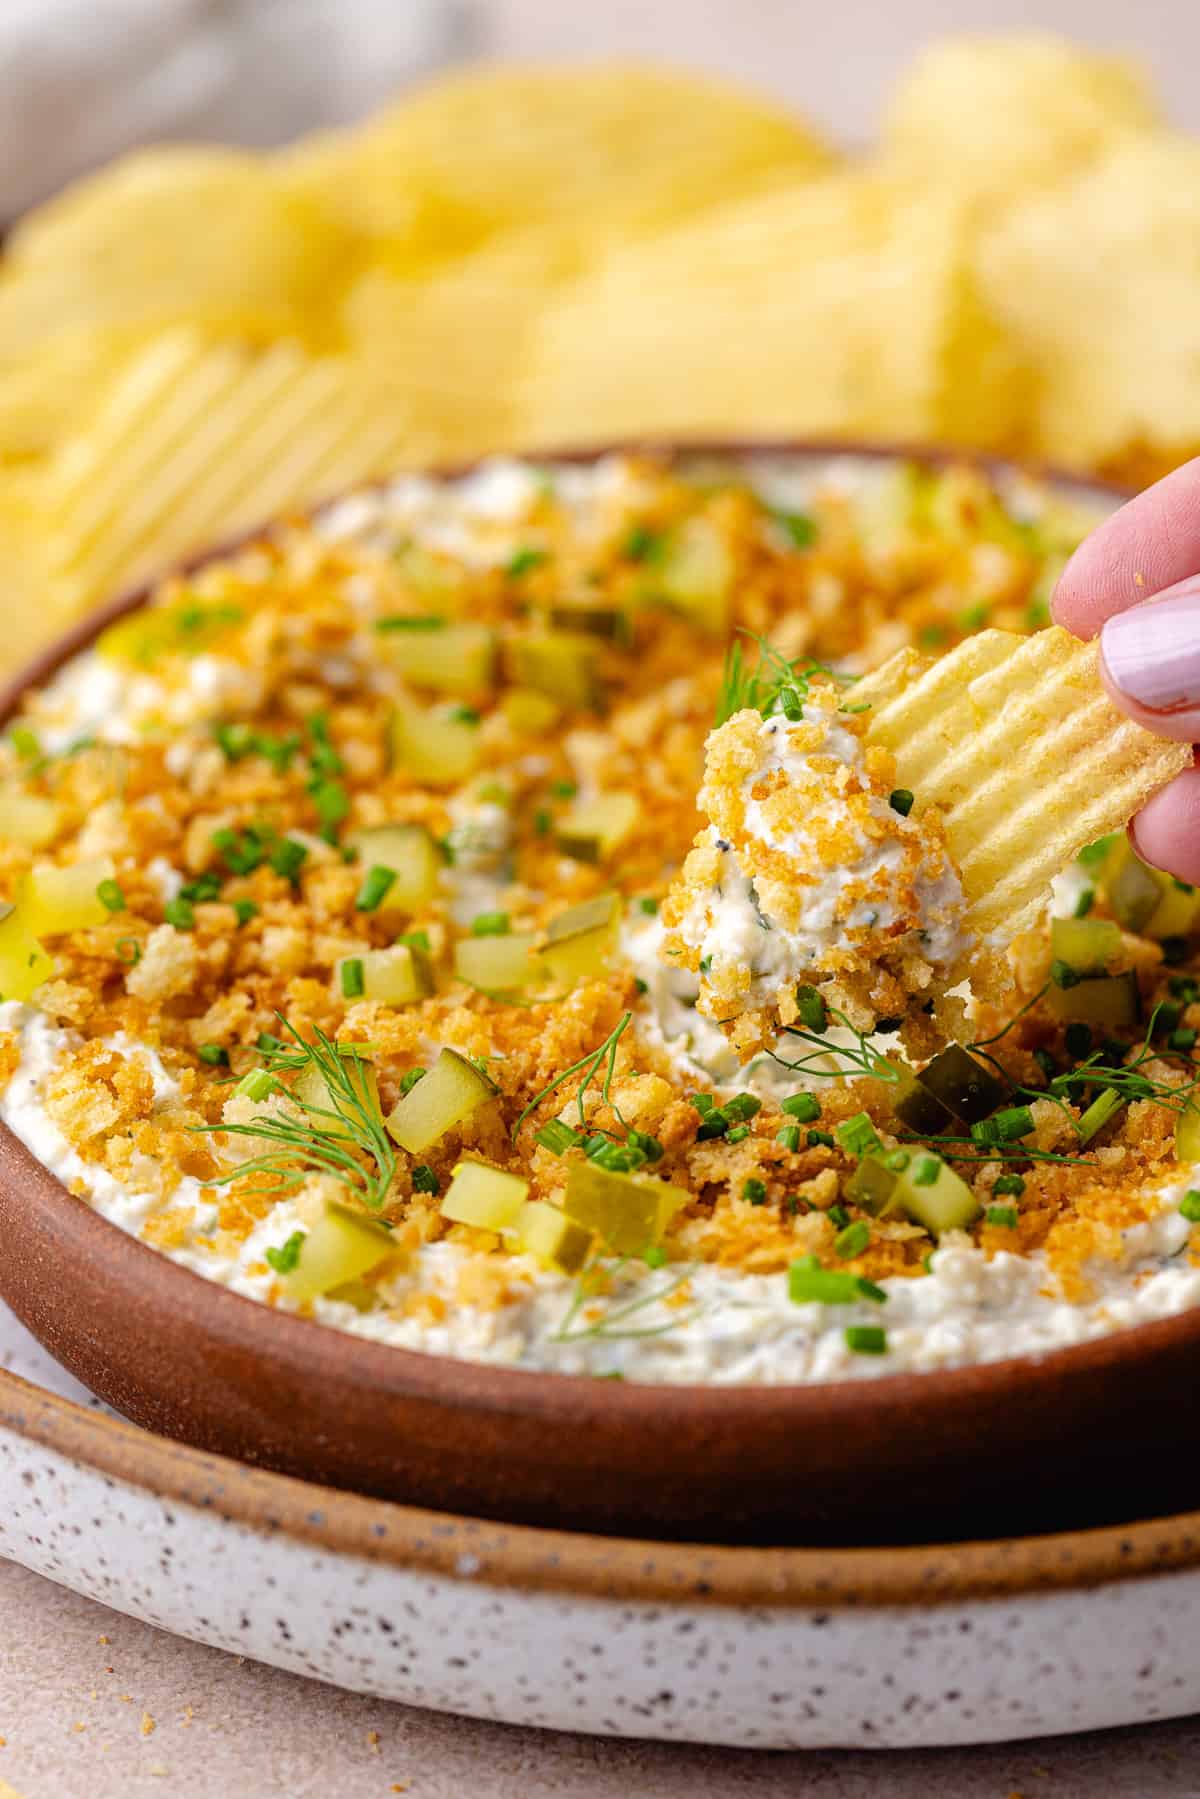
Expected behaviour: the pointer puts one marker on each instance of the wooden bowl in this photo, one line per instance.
(1083, 1436)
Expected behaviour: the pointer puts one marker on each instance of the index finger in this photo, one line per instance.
(1152, 542)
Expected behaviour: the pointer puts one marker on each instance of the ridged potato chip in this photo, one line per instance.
(842, 306)
(589, 154)
(1016, 742)
(1006, 115)
(194, 442)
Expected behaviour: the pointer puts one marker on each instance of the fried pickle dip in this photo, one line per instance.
(340, 969)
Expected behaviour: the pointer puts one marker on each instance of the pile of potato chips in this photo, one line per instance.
(196, 338)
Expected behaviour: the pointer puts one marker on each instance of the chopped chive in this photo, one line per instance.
(564, 790)
(1182, 1040)
(424, 1180)
(464, 715)
(1062, 974)
(288, 857)
(798, 525)
(703, 1102)
(285, 1258)
(754, 1190)
(25, 743)
(352, 978)
(556, 1136)
(1007, 1126)
(1085, 902)
(1189, 1205)
(216, 1055)
(242, 851)
(204, 887)
(268, 1044)
(235, 740)
(128, 950)
(742, 1107)
(408, 1081)
(705, 964)
(654, 1256)
(640, 544)
(649, 1146)
(1101, 1111)
(257, 1085)
(543, 822)
(490, 924)
(789, 1136)
(1010, 1185)
(803, 1107)
(839, 1216)
(376, 886)
(648, 905)
(738, 1134)
(110, 896)
(926, 1172)
(1096, 854)
(811, 1009)
(852, 1241)
(246, 909)
(866, 1339)
(332, 804)
(857, 1135)
(180, 913)
(822, 1138)
(415, 940)
(974, 618)
(1001, 1217)
(402, 621)
(809, 1283)
(522, 561)
(901, 800)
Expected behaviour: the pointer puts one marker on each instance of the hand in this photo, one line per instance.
(1149, 551)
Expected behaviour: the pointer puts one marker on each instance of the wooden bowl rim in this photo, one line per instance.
(458, 1384)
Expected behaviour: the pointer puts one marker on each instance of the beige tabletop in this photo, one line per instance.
(95, 1706)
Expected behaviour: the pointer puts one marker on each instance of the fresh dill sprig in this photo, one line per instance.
(857, 1058)
(613, 1327)
(589, 1066)
(772, 685)
(347, 1139)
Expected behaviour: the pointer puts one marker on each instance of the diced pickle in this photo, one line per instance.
(872, 1186)
(592, 830)
(628, 1212)
(1177, 913)
(562, 664)
(530, 713)
(497, 964)
(393, 977)
(932, 1194)
(963, 1085)
(695, 573)
(488, 1198)
(411, 854)
(1134, 890)
(56, 900)
(26, 818)
(543, 1231)
(1087, 945)
(921, 1110)
(426, 574)
(455, 659)
(438, 748)
(339, 1249)
(592, 621)
(312, 1088)
(24, 964)
(1187, 1135)
(581, 941)
(1110, 1001)
(450, 1092)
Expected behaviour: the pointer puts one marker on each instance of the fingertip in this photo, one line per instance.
(1166, 832)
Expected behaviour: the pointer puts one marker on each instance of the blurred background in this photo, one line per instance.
(260, 250)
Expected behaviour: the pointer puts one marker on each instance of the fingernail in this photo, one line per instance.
(1152, 652)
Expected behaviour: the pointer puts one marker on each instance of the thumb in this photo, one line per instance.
(1150, 659)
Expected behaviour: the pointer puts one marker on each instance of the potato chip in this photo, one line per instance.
(1100, 279)
(844, 306)
(1016, 742)
(194, 442)
(592, 153)
(207, 236)
(1008, 115)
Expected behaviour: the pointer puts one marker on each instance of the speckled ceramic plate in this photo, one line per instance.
(767, 1648)
(1084, 1435)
